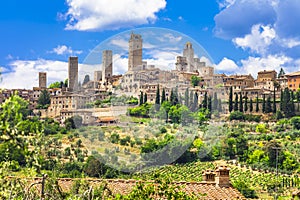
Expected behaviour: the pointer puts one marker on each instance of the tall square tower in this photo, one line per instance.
(107, 67)
(135, 51)
(42, 79)
(73, 73)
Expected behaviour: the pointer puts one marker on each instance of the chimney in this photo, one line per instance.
(222, 176)
(208, 176)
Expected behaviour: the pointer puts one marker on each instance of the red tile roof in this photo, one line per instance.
(202, 190)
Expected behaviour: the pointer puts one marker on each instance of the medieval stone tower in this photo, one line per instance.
(42, 79)
(188, 52)
(73, 73)
(107, 68)
(135, 51)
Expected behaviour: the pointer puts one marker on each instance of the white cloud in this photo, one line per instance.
(227, 65)
(120, 64)
(225, 3)
(252, 65)
(259, 40)
(110, 15)
(120, 43)
(63, 49)
(24, 73)
(290, 43)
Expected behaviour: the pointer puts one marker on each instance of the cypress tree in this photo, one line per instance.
(230, 99)
(268, 105)
(274, 101)
(251, 105)
(157, 98)
(209, 104)
(246, 104)
(195, 103)
(236, 101)
(292, 103)
(204, 102)
(186, 97)
(281, 101)
(264, 104)
(191, 99)
(163, 96)
(141, 98)
(241, 102)
(145, 98)
(257, 104)
(215, 102)
(220, 109)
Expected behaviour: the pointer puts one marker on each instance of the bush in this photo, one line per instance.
(295, 121)
(261, 128)
(236, 116)
(255, 118)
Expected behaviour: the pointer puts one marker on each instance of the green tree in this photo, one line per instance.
(209, 104)
(141, 98)
(145, 98)
(268, 105)
(186, 98)
(195, 80)
(66, 82)
(251, 105)
(241, 103)
(157, 98)
(274, 101)
(236, 102)
(54, 85)
(215, 102)
(195, 103)
(205, 101)
(230, 102)
(257, 104)
(264, 104)
(220, 106)
(163, 96)
(281, 73)
(44, 100)
(246, 104)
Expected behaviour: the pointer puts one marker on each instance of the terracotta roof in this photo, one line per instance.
(293, 74)
(203, 190)
(266, 71)
(106, 119)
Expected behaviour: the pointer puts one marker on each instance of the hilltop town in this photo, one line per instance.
(72, 98)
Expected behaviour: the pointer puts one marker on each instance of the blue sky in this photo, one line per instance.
(241, 36)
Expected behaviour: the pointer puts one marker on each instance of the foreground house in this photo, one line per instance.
(215, 185)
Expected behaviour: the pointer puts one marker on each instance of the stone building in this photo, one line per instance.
(97, 76)
(42, 80)
(293, 80)
(107, 64)
(266, 80)
(73, 74)
(238, 82)
(135, 51)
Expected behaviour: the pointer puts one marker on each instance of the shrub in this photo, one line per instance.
(261, 128)
(295, 121)
(236, 116)
(255, 118)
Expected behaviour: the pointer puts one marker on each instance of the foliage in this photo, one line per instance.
(195, 80)
(44, 100)
(140, 111)
(236, 115)
(295, 121)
